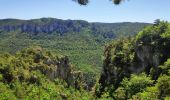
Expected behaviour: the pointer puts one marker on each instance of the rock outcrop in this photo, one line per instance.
(60, 27)
(63, 70)
(36, 59)
(43, 25)
(143, 54)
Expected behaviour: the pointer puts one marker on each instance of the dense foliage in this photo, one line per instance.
(26, 75)
(81, 41)
(138, 68)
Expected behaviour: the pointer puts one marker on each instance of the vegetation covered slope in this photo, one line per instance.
(138, 68)
(37, 74)
(133, 68)
(81, 41)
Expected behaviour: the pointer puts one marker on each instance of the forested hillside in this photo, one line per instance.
(84, 50)
(138, 68)
(37, 74)
(81, 41)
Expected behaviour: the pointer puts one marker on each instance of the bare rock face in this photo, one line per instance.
(63, 70)
(54, 66)
(150, 56)
(146, 58)
(43, 25)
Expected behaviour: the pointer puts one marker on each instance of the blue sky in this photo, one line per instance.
(96, 11)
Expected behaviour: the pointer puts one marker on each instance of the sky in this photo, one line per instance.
(95, 11)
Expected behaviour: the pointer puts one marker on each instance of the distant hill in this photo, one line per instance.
(82, 41)
(61, 27)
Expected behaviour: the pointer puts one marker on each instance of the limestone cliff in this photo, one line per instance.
(143, 54)
(63, 70)
(60, 67)
(31, 62)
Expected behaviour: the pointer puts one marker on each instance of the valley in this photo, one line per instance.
(67, 59)
(81, 41)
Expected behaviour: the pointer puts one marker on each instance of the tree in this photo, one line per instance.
(136, 84)
(85, 2)
(157, 22)
(151, 93)
(120, 94)
(166, 68)
(164, 86)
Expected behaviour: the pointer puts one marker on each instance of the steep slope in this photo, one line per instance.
(35, 73)
(144, 54)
